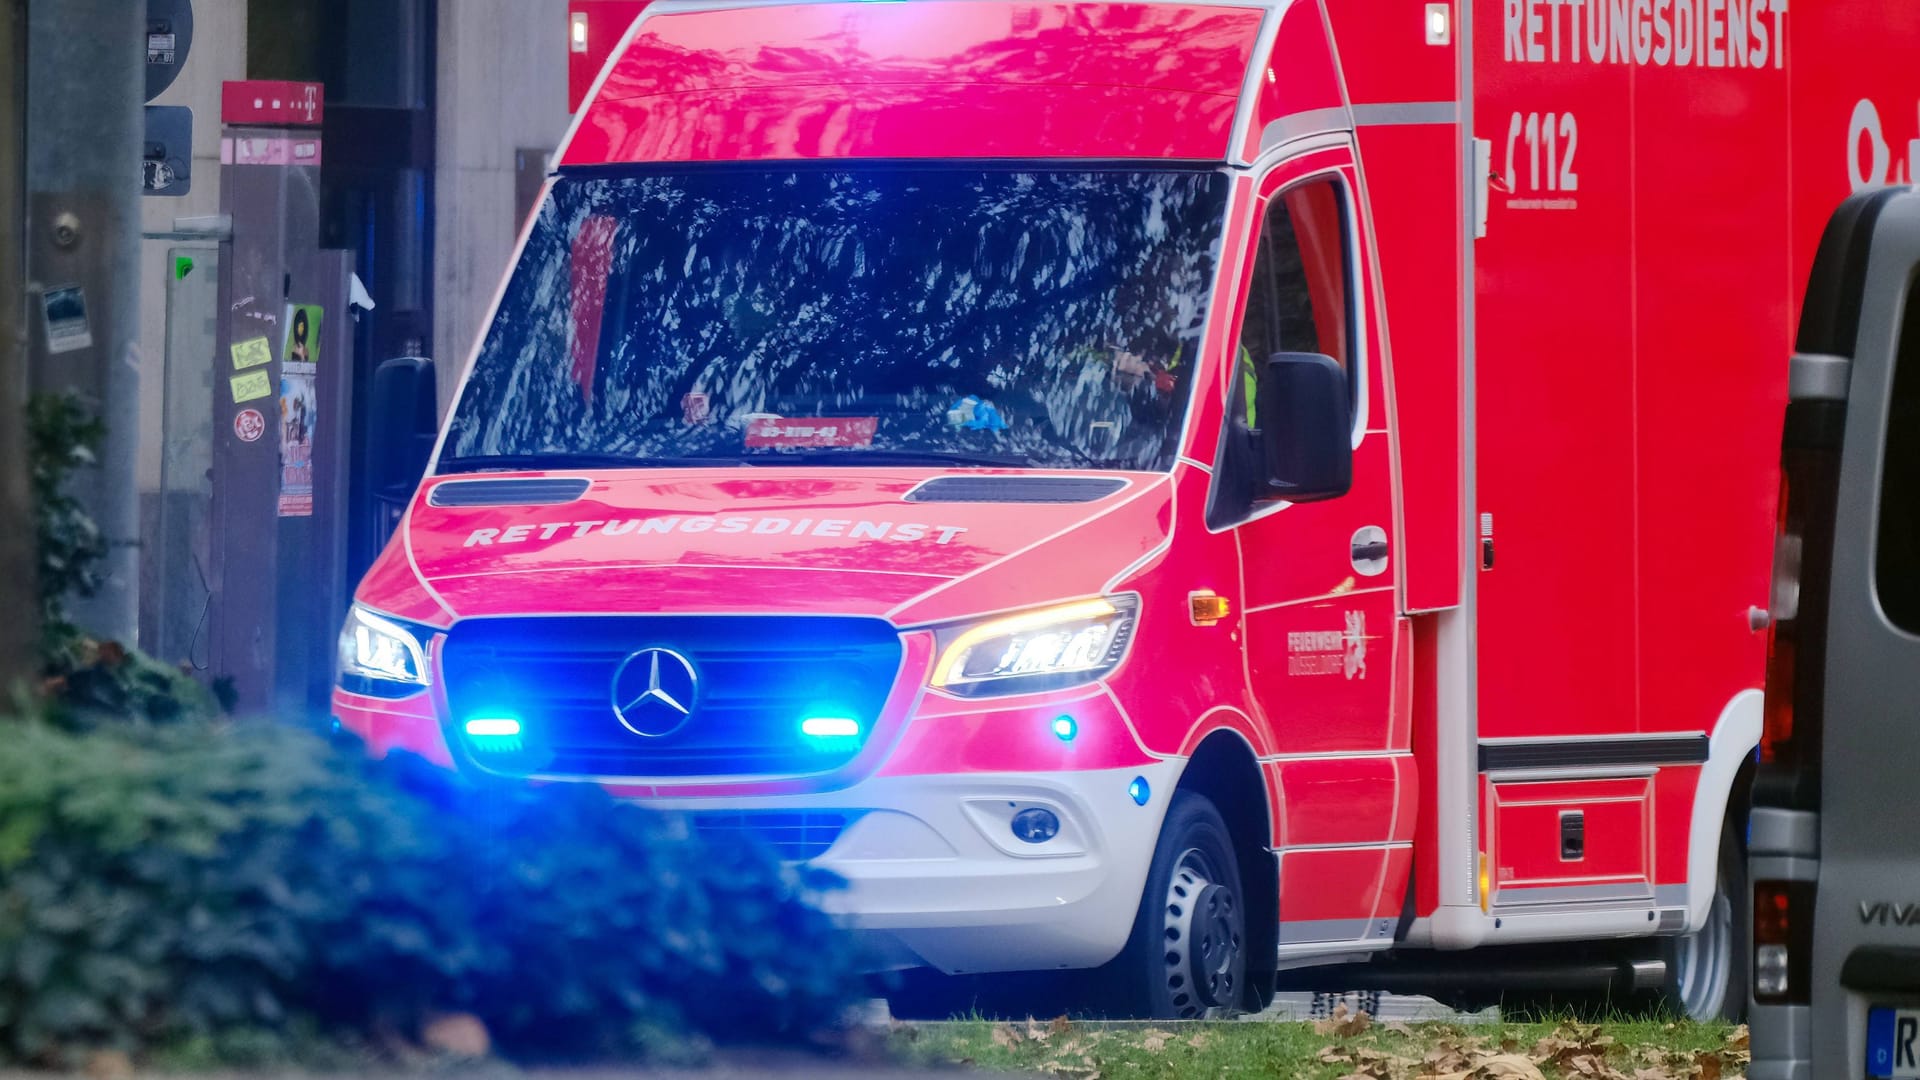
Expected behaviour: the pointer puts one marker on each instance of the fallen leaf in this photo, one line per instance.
(1593, 1066)
(1551, 1047)
(1005, 1035)
(1343, 1022)
(1448, 1056)
(1372, 1064)
(1516, 1066)
(109, 1065)
(460, 1035)
(1709, 1064)
(1061, 1025)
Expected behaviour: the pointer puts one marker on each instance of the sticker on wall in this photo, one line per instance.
(303, 334)
(67, 327)
(298, 413)
(251, 353)
(252, 386)
(249, 425)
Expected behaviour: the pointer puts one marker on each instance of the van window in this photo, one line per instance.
(1298, 300)
(867, 314)
(1897, 555)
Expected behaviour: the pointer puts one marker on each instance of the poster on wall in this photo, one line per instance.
(299, 408)
(297, 416)
(303, 334)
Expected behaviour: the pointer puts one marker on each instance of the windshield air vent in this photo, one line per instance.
(530, 492)
(1014, 489)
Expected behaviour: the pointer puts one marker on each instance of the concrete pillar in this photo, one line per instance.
(501, 87)
(18, 630)
(86, 79)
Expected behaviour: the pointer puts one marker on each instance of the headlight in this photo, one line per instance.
(1040, 650)
(377, 652)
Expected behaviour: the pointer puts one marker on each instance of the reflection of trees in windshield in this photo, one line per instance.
(1044, 317)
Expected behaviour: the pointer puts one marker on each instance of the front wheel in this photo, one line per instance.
(1707, 969)
(1187, 956)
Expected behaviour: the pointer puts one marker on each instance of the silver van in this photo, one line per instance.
(1834, 846)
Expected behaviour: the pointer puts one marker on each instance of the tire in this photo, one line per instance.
(1187, 955)
(1707, 971)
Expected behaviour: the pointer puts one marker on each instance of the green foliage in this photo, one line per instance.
(87, 682)
(93, 683)
(63, 436)
(203, 893)
(192, 885)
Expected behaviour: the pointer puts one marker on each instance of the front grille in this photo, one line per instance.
(797, 835)
(758, 678)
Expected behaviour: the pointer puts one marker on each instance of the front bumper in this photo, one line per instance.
(936, 877)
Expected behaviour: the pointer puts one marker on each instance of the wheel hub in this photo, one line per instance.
(1204, 939)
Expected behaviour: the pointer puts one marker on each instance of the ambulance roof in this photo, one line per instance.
(922, 79)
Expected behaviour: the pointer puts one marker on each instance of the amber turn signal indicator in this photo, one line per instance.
(1208, 608)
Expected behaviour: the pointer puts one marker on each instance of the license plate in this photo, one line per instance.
(1893, 1043)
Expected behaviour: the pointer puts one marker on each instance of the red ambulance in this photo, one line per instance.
(1180, 489)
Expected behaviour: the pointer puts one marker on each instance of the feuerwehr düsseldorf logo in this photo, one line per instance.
(654, 691)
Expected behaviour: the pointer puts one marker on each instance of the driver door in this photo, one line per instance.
(1326, 649)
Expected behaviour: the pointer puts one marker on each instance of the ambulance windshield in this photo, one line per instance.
(883, 314)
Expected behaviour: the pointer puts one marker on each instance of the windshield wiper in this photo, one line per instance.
(894, 457)
(543, 462)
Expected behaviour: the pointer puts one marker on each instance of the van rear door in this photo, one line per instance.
(1836, 831)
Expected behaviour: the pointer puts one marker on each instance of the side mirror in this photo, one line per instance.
(1306, 428)
(403, 420)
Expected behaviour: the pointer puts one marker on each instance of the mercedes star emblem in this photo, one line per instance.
(653, 692)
